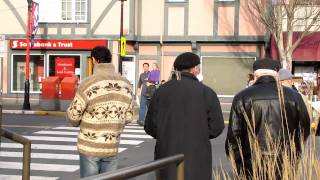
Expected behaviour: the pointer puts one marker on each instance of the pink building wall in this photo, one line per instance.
(201, 17)
(226, 21)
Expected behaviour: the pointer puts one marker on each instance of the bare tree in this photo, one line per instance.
(284, 17)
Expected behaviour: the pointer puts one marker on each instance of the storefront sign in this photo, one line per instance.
(65, 67)
(58, 44)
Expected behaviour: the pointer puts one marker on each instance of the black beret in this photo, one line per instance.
(266, 64)
(185, 61)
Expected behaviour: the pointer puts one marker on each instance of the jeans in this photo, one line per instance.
(95, 165)
(144, 103)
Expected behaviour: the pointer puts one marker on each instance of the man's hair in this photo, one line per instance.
(102, 54)
(145, 64)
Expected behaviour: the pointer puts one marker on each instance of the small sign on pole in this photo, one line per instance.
(123, 46)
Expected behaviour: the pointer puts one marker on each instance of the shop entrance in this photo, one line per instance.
(1, 80)
(129, 70)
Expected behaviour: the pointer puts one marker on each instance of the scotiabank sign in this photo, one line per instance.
(58, 44)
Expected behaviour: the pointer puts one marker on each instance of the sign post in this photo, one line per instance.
(121, 36)
(26, 102)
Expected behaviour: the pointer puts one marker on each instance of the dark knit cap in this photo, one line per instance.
(185, 61)
(266, 64)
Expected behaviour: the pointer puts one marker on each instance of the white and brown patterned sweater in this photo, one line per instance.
(102, 106)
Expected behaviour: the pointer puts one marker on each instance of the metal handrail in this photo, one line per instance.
(26, 150)
(143, 168)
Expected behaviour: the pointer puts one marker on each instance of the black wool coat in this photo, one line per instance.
(183, 116)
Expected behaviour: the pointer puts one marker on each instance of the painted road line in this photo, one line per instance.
(133, 127)
(68, 139)
(78, 128)
(41, 155)
(134, 131)
(51, 138)
(41, 146)
(15, 177)
(45, 155)
(24, 126)
(136, 136)
(130, 142)
(40, 166)
(76, 133)
(67, 128)
(57, 133)
(45, 147)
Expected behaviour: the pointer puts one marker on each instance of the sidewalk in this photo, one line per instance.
(35, 109)
(16, 108)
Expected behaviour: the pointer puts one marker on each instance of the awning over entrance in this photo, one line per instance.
(308, 49)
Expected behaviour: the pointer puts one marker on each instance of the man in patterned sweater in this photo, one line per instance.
(101, 107)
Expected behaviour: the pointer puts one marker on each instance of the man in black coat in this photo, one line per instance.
(183, 116)
(261, 105)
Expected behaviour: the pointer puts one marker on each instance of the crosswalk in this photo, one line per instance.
(54, 152)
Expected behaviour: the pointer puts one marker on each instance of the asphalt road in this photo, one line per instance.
(48, 130)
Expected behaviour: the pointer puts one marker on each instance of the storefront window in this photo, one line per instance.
(227, 76)
(18, 72)
(67, 58)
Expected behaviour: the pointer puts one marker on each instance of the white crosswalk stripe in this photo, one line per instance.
(55, 150)
(40, 166)
(15, 177)
(131, 126)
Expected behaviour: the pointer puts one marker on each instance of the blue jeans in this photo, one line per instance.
(144, 103)
(95, 165)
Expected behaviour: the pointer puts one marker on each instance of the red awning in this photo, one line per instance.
(308, 49)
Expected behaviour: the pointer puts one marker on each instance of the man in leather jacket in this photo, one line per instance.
(258, 107)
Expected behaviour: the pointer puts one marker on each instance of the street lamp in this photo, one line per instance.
(121, 34)
(26, 102)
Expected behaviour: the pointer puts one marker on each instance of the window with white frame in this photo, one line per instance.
(60, 11)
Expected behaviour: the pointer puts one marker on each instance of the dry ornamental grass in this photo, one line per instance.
(276, 160)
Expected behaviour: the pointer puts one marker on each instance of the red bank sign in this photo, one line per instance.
(58, 44)
(65, 67)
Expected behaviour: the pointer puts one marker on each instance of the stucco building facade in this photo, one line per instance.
(222, 32)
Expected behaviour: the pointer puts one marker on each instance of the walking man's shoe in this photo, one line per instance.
(140, 123)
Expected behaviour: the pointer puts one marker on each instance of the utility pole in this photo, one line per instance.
(26, 102)
(121, 34)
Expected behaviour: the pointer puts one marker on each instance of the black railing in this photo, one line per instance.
(143, 168)
(26, 147)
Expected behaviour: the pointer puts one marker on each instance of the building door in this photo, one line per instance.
(129, 70)
(1, 81)
(226, 76)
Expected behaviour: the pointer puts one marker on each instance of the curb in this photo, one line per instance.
(50, 113)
